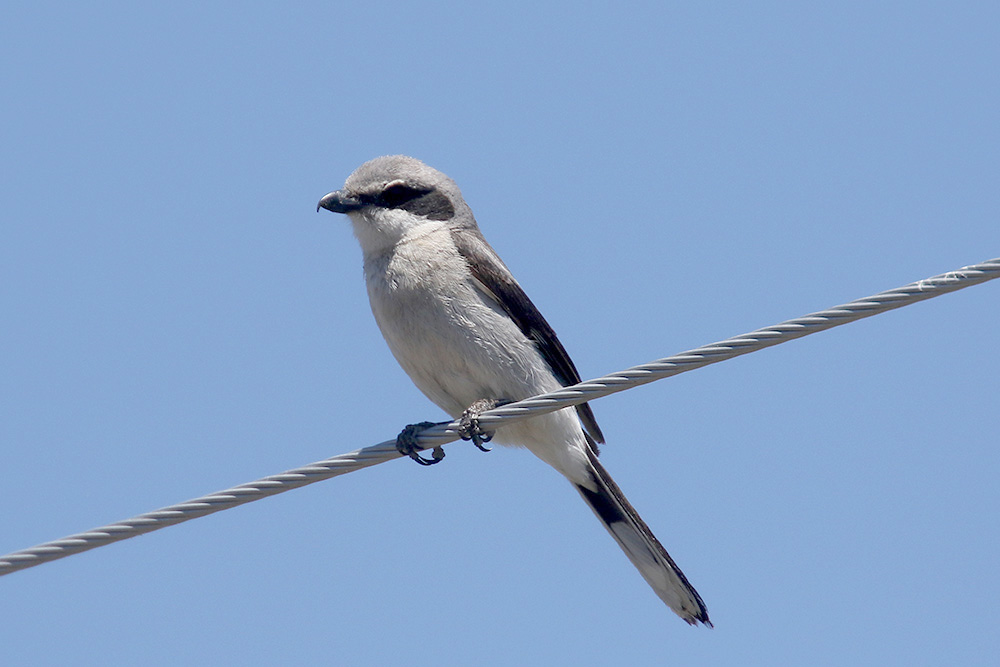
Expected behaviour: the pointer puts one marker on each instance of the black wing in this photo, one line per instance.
(490, 270)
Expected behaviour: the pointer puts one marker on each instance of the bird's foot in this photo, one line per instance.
(406, 443)
(470, 429)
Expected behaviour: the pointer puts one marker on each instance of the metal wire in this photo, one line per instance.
(748, 342)
(568, 396)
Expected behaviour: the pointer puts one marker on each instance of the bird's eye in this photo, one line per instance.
(426, 202)
(398, 193)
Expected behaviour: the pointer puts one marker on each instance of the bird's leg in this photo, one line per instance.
(406, 443)
(470, 422)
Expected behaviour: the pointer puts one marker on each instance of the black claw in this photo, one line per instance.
(406, 443)
(470, 429)
(478, 441)
(437, 454)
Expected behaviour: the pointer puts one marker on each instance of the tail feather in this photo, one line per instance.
(641, 546)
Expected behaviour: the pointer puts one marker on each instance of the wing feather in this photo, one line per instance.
(490, 271)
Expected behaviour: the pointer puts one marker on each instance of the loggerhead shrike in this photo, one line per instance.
(470, 339)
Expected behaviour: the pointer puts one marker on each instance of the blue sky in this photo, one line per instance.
(177, 319)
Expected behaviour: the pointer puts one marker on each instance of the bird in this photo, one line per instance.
(463, 329)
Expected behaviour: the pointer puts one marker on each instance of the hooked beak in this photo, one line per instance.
(339, 202)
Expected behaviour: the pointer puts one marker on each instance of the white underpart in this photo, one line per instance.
(456, 342)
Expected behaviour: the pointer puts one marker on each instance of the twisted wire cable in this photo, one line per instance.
(748, 342)
(556, 400)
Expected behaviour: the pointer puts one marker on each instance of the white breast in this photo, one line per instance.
(458, 345)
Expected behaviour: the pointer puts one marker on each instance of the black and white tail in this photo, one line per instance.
(641, 546)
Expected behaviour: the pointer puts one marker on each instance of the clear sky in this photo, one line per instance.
(177, 319)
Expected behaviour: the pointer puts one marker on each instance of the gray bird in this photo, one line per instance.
(470, 339)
